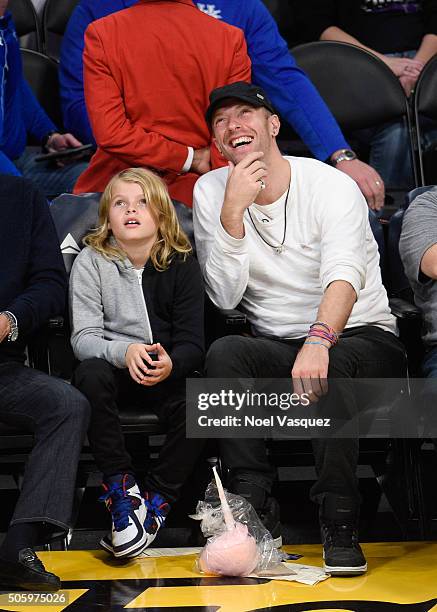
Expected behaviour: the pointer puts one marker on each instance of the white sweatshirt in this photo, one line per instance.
(328, 238)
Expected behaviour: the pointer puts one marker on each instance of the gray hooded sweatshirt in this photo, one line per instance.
(106, 296)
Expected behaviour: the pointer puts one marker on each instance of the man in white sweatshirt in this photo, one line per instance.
(288, 240)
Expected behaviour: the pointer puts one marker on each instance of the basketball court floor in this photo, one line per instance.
(401, 576)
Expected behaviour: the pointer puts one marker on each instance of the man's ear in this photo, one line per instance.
(275, 124)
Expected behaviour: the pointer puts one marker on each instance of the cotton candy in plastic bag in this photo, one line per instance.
(238, 543)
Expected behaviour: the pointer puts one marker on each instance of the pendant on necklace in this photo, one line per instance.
(279, 249)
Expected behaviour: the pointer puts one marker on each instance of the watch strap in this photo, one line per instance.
(344, 155)
(13, 333)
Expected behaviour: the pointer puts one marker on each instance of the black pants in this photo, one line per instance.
(57, 415)
(106, 387)
(363, 352)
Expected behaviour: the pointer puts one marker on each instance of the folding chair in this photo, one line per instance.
(425, 103)
(55, 18)
(41, 72)
(410, 327)
(26, 20)
(360, 90)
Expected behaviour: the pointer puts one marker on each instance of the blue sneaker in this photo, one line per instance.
(157, 510)
(128, 535)
(156, 513)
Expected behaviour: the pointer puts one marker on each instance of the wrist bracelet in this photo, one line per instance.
(321, 344)
(324, 331)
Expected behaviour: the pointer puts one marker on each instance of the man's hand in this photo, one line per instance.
(310, 370)
(408, 83)
(3, 7)
(368, 180)
(242, 188)
(403, 66)
(5, 326)
(136, 355)
(60, 142)
(201, 163)
(162, 367)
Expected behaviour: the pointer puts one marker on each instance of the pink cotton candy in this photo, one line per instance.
(233, 553)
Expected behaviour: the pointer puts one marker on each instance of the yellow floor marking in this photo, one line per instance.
(398, 573)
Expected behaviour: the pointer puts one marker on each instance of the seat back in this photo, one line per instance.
(398, 282)
(26, 20)
(41, 72)
(55, 18)
(76, 215)
(282, 13)
(425, 99)
(360, 90)
(425, 104)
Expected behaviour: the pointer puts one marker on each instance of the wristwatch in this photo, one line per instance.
(13, 334)
(343, 155)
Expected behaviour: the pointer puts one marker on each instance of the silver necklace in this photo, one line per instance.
(279, 248)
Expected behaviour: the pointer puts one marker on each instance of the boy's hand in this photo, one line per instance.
(136, 355)
(162, 368)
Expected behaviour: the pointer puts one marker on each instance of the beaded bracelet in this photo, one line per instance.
(326, 333)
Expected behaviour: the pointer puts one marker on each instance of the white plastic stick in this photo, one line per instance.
(227, 514)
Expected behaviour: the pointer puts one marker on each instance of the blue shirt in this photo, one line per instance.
(273, 68)
(20, 112)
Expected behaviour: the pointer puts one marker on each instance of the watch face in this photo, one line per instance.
(349, 154)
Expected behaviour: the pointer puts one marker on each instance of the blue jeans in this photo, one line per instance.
(57, 415)
(390, 146)
(50, 179)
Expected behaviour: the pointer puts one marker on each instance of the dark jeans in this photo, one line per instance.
(363, 352)
(429, 393)
(57, 415)
(429, 365)
(104, 386)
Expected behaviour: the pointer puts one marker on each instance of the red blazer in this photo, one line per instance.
(148, 72)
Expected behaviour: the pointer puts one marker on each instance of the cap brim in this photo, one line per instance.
(216, 104)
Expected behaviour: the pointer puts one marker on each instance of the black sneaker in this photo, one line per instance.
(266, 507)
(270, 517)
(342, 553)
(27, 573)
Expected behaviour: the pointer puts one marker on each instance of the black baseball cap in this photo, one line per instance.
(240, 90)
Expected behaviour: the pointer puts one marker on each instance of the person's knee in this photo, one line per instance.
(224, 354)
(65, 403)
(91, 373)
(342, 363)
